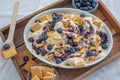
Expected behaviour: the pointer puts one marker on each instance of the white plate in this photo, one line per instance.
(66, 10)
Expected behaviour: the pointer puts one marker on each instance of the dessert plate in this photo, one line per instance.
(71, 11)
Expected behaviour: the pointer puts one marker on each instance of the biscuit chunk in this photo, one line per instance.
(35, 78)
(29, 64)
(9, 53)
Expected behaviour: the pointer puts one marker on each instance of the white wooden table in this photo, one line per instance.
(7, 68)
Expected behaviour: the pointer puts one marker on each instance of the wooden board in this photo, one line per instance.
(76, 74)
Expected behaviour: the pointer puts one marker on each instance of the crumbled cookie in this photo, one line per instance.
(36, 71)
(92, 58)
(78, 39)
(35, 78)
(45, 17)
(83, 50)
(97, 23)
(69, 16)
(29, 64)
(9, 53)
(78, 20)
(40, 44)
(36, 26)
(49, 78)
(50, 57)
(19, 56)
(65, 23)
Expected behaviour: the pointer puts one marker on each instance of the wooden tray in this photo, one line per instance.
(66, 74)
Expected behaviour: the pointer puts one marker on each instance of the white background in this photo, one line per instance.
(7, 69)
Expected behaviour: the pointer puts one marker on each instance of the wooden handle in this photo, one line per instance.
(13, 22)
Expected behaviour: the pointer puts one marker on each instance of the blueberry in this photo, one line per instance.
(72, 50)
(85, 8)
(88, 3)
(44, 37)
(59, 30)
(89, 53)
(94, 1)
(56, 16)
(31, 39)
(6, 46)
(49, 47)
(81, 28)
(31, 30)
(82, 15)
(58, 60)
(25, 58)
(89, 7)
(104, 46)
(78, 5)
(93, 5)
(76, 1)
(37, 21)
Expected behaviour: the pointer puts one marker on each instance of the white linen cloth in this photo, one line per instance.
(7, 68)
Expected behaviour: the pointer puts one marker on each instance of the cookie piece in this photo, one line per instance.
(50, 57)
(37, 71)
(19, 56)
(45, 17)
(35, 78)
(36, 26)
(45, 70)
(97, 23)
(50, 74)
(49, 78)
(78, 20)
(78, 39)
(83, 50)
(40, 44)
(29, 64)
(7, 54)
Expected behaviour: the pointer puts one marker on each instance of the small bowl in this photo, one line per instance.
(90, 11)
(42, 64)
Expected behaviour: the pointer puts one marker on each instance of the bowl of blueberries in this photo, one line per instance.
(86, 5)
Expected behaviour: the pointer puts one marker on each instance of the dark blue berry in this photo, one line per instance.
(37, 21)
(31, 30)
(82, 15)
(89, 53)
(56, 16)
(25, 58)
(78, 5)
(60, 30)
(104, 46)
(49, 47)
(93, 5)
(90, 8)
(31, 39)
(44, 37)
(6, 46)
(76, 1)
(81, 28)
(58, 60)
(72, 50)
(88, 4)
